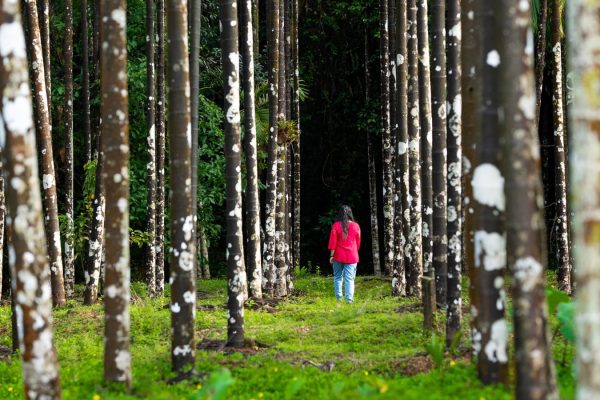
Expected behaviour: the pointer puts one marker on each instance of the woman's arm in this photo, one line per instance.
(332, 244)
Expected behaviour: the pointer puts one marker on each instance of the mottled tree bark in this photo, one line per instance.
(85, 82)
(439, 174)
(69, 270)
(255, 27)
(561, 231)
(115, 175)
(296, 154)
(204, 252)
(415, 238)
(271, 190)
(183, 277)
(195, 7)
(388, 175)
(253, 252)
(160, 148)
(44, 26)
(524, 205)
(3, 241)
(151, 141)
(490, 333)
(44, 131)
(540, 56)
(425, 119)
(454, 178)
(235, 241)
(28, 263)
(584, 30)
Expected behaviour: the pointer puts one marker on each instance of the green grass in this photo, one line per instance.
(367, 341)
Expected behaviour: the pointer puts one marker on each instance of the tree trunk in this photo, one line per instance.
(235, 241)
(85, 82)
(96, 242)
(44, 26)
(415, 238)
(439, 175)
(115, 175)
(252, 202)
(255, 26)
(540, 57)
(401, 211)
(388, 176)
(454, 178)
(195, 11)
(160, 149)
(535, 373)
(151, 166)
(2, 221)
(271, 190)
(69, 270)
(490, 329)
(584, 30)
(561, 233)
(44, 129)
(296, 238)
(204, 253)
(426, 137)
(183, 286)
(29, 263)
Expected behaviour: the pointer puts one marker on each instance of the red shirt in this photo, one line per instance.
(345, 249)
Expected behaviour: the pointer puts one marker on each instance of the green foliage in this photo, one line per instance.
(554, 297)
(435, 348)
(566, 316)
(216, 386)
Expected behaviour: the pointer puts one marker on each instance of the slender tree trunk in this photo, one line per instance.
(96, 243)
(540, 56)
(454, 178)
(2, 221)
(584, 30)
(252, 201)
(438, 105)
(561, 233)
(85, 82)
(183, 286)
(401, 212)
(388, 176)
(255, 26)
(44, 26)
(151, 166)
(160, 148)
(490, 329)
(235, 241)
(271, 190)
(44, 129)
(204, 253)
(29, 263)
(115, 175)
(524, 200)
(195, 11)
(414, 155)
(296, 238)
(425, 118)
(69, 271)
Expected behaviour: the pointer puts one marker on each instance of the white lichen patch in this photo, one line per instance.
(488, 186)
(186, 261)
(123, 360)
(493, 59)
(490, 250)
(189, 297)
(47, 181)
(495, 348)
(528, 272)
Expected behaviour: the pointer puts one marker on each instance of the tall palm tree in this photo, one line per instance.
(584, 30)
(30, 267)
(296, 237)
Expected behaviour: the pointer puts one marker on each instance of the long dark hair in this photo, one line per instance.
(344, 216)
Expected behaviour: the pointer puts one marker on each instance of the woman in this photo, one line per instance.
(344, 242)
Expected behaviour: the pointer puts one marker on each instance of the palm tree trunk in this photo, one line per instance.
(3, 240)
(115, 175)
(44, 129)
(439, 175)
(204, 252)
(296, 143)
(160, 148)
(490, 329)
(584, 30)
(414, 156)
(561, 233)
(44, 26)
(85, 82)
(195, 11)
(388, 176)
(252, 202)
(454, 178)
(271, 190)
(69, 270)
(535, 373)
(235, 250)
(151, 166)
(540, 56)
(29, 264)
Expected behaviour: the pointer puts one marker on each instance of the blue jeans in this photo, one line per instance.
(347, 272)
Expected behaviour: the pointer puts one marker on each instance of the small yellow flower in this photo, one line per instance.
(96, 397)
(275, 369)
(452, 363)
(383, 388)
(199, 386)
(482, 398)
(261, 395)
(366, 373)
(10, 389)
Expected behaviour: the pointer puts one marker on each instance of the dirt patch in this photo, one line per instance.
(250, 346)
(266, 305)
(421, 362)
(200, 294)
(327, 366)
(409, 308)
(208, 307)
(5, 353)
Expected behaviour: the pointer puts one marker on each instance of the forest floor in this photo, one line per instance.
(304, 347)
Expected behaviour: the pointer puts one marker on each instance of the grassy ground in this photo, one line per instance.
(374, 350)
